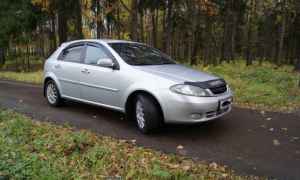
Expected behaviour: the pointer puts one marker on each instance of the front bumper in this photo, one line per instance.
(188, 109)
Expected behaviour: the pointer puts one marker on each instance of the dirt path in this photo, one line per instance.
(246, 140)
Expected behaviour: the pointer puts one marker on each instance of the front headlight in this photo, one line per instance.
(189, 90)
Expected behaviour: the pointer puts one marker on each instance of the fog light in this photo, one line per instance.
(196, 116)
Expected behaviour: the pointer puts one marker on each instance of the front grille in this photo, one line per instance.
(212, 114)
(219, 89)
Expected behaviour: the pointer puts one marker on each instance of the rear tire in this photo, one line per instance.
(52, 94)
(147, 114)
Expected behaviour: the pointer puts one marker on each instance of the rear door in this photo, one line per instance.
(68, 70)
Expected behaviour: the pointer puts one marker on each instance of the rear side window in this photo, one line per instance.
(95, 53)
(72, 54)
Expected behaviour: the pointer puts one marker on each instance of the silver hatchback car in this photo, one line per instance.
(135, 79)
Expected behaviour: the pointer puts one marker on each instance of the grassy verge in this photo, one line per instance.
(30, 77)
(34, 150)
(262, 86)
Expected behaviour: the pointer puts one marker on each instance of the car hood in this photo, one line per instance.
(176, 72)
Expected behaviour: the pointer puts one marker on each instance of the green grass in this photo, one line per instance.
(263, 86)
(30, 77)
(33, 61)
(35, 150)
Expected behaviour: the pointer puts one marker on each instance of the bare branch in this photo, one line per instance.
(124, 5)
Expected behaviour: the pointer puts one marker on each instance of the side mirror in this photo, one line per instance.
(106, 62)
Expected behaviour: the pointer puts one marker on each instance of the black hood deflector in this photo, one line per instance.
(208, 84)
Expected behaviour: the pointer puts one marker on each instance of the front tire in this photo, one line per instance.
(52, 94)
(148, 114)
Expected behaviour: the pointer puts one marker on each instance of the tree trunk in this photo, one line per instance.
(78, 20)
(167, 36)
(28, 57)
(209, 45)
(119, 22)
(281, 35)
(2, 56)
(134, 21)
(229, 35)
(52, 36)
(62, 22)
(249, 56)
(297, 37)
(142, 29)
(197, 44)
(233, 36)
(163, 27)
(154, 29)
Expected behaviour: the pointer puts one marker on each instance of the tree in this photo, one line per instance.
(297, 36)
(77, 15)
(282, 30)
(168, 27)
(251, 16)
(134, 20)
(18, 20)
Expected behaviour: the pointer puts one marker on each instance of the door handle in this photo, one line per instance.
(85, 71)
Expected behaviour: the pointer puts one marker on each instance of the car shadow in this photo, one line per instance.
(200, 130)
(204, 130)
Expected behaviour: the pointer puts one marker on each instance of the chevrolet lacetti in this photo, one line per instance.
(133, 78)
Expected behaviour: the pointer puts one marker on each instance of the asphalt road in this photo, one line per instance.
(246, 140)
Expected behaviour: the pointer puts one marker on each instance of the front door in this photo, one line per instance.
(100, 84)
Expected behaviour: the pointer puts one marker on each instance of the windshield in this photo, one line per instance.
(139, 54)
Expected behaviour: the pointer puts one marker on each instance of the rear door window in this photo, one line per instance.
(72, 54)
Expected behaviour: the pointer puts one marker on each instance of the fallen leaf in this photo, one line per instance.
(43, 156)
(123, 141)
(224, 175)
(239, 157)
(294, 139)
(173, 166)
(180, 147)
(284, 129)
(276, 142)
(263, 126)
(213, 165)
(186, 167)
(143, 161)
(222, 169)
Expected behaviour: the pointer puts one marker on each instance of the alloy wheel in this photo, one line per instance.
(140, 116)
(52, 93)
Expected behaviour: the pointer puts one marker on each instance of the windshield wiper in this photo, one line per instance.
(167, 63)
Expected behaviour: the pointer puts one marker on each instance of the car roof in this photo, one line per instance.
(98, 40)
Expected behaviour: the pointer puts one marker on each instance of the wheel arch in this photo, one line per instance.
(49, 78)
(130, 100)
